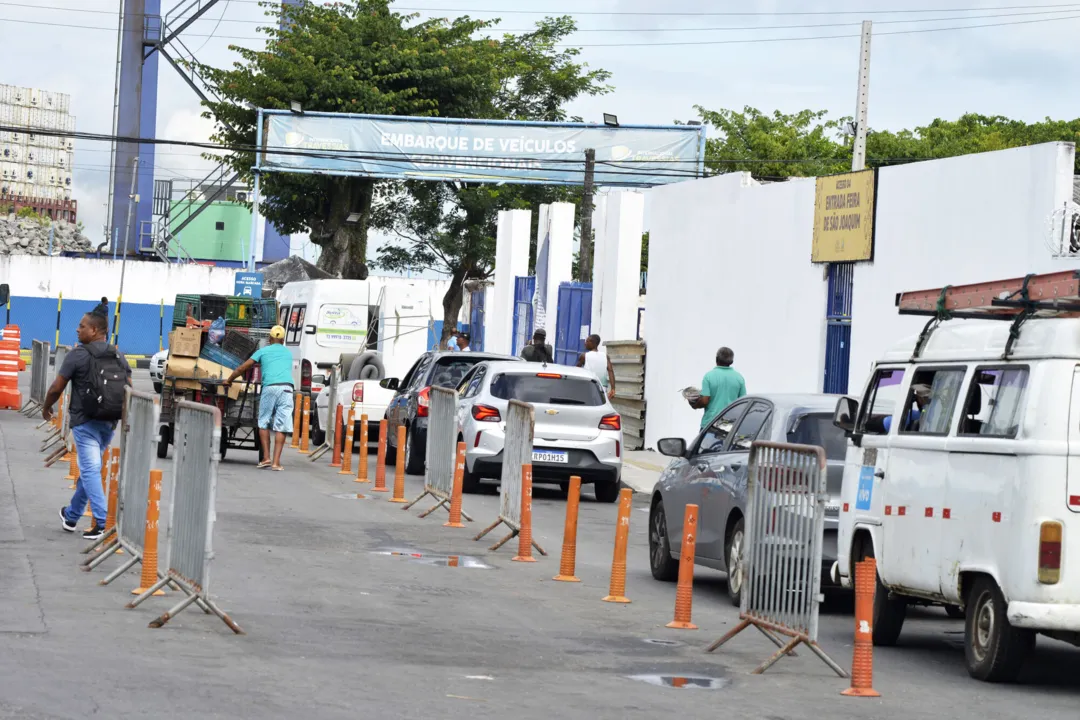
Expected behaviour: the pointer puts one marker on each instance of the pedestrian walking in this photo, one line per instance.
(538, 351)
(598, 361)
(459, 342)
(276, 398)
(102, 308)
(720, 387)
(98, 373)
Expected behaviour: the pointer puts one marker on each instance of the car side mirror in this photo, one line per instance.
(672, 447)
(844, 415)
(389, 384)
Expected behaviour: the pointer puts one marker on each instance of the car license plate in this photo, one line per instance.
(551, 456)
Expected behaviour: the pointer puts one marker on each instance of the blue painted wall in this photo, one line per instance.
(36, 318)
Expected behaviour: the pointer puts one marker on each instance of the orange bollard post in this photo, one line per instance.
(568, 563)
(73, 470)
(617, 588)
(399, 468)
(362, 470)
(380, 460)
(455, 495)
(684, 593)
(862, 664)
(346, 463)
(298, 406)
(339, 440)
(525, 532)
(305, 431)
(150, 543)
(114, 490)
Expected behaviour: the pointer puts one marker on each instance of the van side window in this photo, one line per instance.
(882, 397)
(931, 398)
(992, 408)
(296, 325)
(283, 316)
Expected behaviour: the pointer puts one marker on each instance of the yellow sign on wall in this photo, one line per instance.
(844, 217)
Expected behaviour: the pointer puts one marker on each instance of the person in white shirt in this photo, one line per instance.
(597, 361)
(459, 342)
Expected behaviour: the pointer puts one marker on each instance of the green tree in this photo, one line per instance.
(451, 226)
(353, 56)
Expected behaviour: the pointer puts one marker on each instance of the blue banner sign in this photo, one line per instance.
(408, 148)
(249, 284)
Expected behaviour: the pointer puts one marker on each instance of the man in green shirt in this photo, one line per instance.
(720, 387)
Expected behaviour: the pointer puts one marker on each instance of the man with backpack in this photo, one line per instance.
(98, 373)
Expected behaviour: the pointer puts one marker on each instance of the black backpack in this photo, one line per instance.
(103, 398)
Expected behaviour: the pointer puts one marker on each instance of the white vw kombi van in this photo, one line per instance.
(962, 479)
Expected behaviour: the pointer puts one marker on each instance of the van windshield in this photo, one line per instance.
(818, 429)
(548, 389)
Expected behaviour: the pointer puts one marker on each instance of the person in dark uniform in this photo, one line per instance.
(539, 351)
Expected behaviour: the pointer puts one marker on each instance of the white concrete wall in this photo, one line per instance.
(511, 261)
(960, 220)
(560, 258)
(621, 266)
(600, 206)
(729, 265)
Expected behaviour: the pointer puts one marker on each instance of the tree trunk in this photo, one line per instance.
(344, 244)
(451, 303)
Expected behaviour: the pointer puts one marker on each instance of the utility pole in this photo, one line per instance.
(585, 248)
(862, 101)
(133, 200)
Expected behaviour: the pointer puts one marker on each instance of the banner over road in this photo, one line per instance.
(409, 148)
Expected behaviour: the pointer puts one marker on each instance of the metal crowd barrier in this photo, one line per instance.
(781, 561)
(138, 447)
(192, 511)
(517, 451)
(58, 435)
(442, 434)
(331, 417)
(39, 376)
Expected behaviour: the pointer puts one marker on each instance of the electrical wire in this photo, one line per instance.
(211, 35)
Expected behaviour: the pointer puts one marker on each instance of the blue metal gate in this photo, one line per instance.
(838, 331)
(574, 321)
(524, 289)
(476, 320)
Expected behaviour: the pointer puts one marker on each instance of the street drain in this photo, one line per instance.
(350, 496)
(656, 641)
(457, 561)
(683, 682)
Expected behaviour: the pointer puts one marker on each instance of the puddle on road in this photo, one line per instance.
(350, 496)
(456, 561)
(683, 682)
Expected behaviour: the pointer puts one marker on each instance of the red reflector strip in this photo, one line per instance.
(997, 517)
(946, 513)
(929, 512)
(846, 507)
(902, 510)
(1050, 555)
(1074, 500)
(888, 509)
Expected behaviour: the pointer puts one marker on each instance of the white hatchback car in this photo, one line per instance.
(577, 431)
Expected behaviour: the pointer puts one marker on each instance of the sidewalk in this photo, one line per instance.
(642, 468)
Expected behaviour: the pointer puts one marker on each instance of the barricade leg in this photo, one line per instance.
(346, 462)
(568, 561)
(617, 588)
(380, 462)
(525, 533)
(149, 561)
(455, 497)
(362, 470)
(862, 664)
(298, 407)
(399, 467)
(338, 439)
(684, 594)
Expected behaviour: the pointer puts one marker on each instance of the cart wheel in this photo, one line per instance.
(224, 443)
(164, 435)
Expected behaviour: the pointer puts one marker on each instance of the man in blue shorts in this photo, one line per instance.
(276, 399)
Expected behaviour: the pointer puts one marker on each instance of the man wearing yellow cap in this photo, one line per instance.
(276, 399)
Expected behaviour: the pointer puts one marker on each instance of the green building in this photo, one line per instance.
(220, 232)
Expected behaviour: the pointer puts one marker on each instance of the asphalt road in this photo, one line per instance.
(337, 627)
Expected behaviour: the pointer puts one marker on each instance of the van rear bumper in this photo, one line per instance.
(1044, 616)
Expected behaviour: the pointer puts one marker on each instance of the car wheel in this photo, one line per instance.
(733, 548)
(470, 481)
(889, 611)
(606, 491)
(163, 443)
(414, 461)
(994, 649)
(157, 387)
(663, 566)
(955, 612)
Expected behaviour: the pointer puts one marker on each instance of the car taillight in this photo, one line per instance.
(358, 392)
(1050, 552)
(611, 422)
(423, 402)
(305, 375)
(485, 413)
(552, 376)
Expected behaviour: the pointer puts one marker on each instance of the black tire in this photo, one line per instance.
(955, 612)
(413, 458)
(889, 612)
(664, 567)
(157, 387)
(995, 650)
(318, 435)
(606, 491)
(733, 548)
(163, 445)
(224, 443)
(470, 481)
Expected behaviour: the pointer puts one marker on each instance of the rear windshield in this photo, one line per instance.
(448, 371)
(818, 429)
(548, 390)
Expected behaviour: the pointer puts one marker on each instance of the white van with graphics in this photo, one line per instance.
(963, 476)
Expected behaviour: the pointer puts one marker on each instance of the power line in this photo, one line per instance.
(220, 18)
(720, 14)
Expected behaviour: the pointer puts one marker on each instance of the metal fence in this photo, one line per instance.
(138, 447)
(517, 451)
(782, 550)
(192, 510)
(39, 371)
(442, 435)
(331, 429)
(58, 361)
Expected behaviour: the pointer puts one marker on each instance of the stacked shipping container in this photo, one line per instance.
(36, 169)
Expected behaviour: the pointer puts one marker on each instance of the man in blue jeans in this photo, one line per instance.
(91, 436)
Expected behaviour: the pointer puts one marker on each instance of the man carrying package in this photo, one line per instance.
(276, 399)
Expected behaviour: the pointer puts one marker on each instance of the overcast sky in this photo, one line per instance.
(1024, 70)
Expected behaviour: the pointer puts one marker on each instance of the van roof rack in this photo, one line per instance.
(1018, 299)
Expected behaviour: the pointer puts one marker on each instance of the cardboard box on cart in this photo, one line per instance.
(185, 342)
(191, 372)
